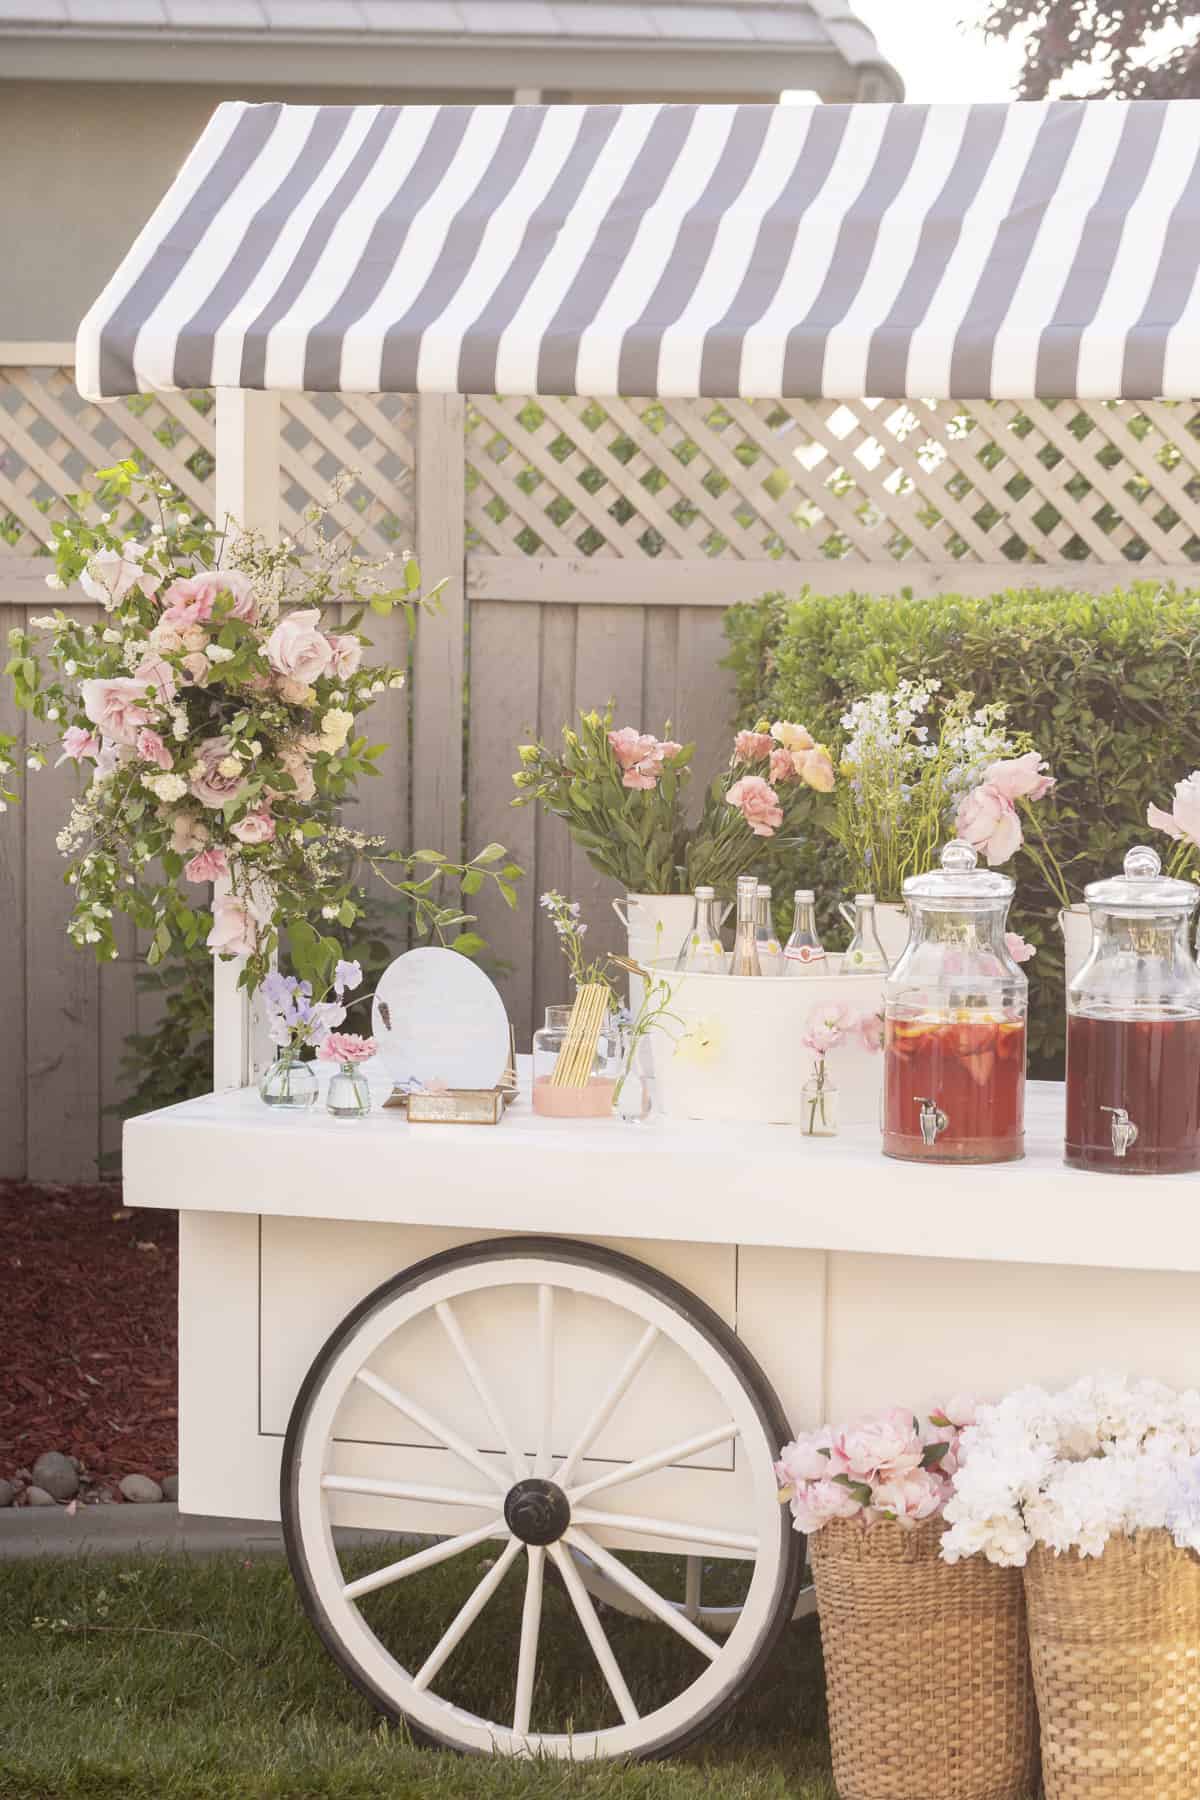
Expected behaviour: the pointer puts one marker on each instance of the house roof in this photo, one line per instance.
(745, 47)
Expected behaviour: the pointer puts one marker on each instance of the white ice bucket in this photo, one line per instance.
(733, 1050)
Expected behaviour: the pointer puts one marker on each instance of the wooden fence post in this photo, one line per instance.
(247, 480)
(439, 660)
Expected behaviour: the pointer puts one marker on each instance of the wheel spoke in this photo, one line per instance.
(531, 1627)
(541, 1461)
(594, 1632)
(652, 1601)
(674, 1530)
(659, 1459)
(406, 1490)
(474, 1373)
(434, 1427)
(608, 1405)
(466, 1615)
(691, 1588)
(421, 1559)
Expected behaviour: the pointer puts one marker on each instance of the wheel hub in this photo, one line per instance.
(537, 1511)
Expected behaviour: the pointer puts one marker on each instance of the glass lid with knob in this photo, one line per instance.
(1133, 1027)
(955, 1009)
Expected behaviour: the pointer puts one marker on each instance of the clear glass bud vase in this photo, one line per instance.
(348, 1095)
(820, 1113)
(289, 1083)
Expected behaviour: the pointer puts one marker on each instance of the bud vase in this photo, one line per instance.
(348, 1095)
(289, 1083)
(819, 1117)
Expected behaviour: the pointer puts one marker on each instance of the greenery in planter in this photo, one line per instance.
(1106, 686)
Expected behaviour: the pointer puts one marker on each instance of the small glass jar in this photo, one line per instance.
(289, 1083)
(348, 1095)
(820, 1114)
(635, 1091)
(592, 1100)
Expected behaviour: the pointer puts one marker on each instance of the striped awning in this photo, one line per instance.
(968, 252)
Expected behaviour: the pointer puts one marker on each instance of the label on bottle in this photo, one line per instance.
(805, 953)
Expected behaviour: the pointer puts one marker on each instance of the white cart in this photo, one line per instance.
(571, 1341)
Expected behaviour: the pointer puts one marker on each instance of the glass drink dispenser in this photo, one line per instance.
(1133, 1027)
(955, 1007)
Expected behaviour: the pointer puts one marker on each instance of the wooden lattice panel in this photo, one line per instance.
(52, 441)
(873, 481)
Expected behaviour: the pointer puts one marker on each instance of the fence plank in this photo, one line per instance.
(13, 1144)
(552, 869)
(609, 660)
(439, 662)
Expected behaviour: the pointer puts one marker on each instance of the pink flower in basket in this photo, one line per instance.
(910, 1499)
(819, 1501)
(758, 803)
(806, 1458)
(347, 1047)
(882, 1446)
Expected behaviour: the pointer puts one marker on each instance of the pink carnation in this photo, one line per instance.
(347, 1047)
(758, 803)
(783, 766)
(207, 865)
(815, 768)
(753, 746)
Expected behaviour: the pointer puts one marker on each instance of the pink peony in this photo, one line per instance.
(1021, 778)
(347, 1047)
(187, 833)
(817, 1502)
(911, 1497)
(151, 748)
(806, 1458)
(78, 743)
(1183, 820)
(753, 746)
(347, 656)
(118, 706)
(882, 1446)
(758, 803)
(159, 675)
(815, 768)
(959, 1411)
(297, 650)
(987, 819)
(209, 786)
(234, 929)
(207, 865)
(1018, 949)
(257, 827)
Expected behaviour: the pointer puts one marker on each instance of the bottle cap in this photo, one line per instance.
(706, 893)
(803, 896)
(864, 899)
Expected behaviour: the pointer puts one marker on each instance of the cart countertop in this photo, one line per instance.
(668, 1178)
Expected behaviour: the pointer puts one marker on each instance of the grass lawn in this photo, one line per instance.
(156, 1680)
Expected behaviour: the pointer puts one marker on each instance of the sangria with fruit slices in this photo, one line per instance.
(954, 1086)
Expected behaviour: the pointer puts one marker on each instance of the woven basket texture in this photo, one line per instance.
(926, 1667)
(1115, 1641)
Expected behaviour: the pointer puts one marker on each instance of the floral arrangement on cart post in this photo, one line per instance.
(217, 706)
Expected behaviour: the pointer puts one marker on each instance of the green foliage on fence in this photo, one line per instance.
(1108, 687)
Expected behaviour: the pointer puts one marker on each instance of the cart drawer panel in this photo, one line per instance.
(313, 1272)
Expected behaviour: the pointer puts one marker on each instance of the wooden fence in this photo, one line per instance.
(591, 547)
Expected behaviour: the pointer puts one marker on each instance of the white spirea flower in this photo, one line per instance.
(44, 622)
(230, 766)
(56, 581)
(109, 636)
(70, 668)
(52, 713)
(218, 653)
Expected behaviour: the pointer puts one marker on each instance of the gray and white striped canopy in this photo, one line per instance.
(969, 252)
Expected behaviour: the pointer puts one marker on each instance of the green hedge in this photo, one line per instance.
(1107, 686)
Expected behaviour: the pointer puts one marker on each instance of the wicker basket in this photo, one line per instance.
(1116, 1661)
(926, 1667)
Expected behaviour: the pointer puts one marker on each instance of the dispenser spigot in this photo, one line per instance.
(933, 1120)
(1124, 1131)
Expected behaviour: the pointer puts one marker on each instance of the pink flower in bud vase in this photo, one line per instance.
(753, 746)
(911, 1497)
(1022, 778)
(78, 743)
(817, 1502)
(151, 748)
(758, 804)
(347, 1047)
(207, 865)
(257, 827)
(885, 1444)
(1018, 949)
(870, 1032)
(987, 820)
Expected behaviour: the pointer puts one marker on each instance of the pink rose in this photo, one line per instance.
(881, 1446)
(210, 787)
(297, 649)
(1018, 949)
(187, 833)
(911, 1497)
(758, 803)
(166, 638)
(110, 574)
(815, 768)
(256, 827)
(347, 656)
(1183, 820)
(151, 748)
(1021, 778)
(347, 1047)
(190, 601)
(234, 929)
(207, 865)
(159, 675)
(806, 1458)
(817, 1502)
(118, 706)
(196, 669)
(238, 585)
(294, 762)
(753, 746)
(78, 743)
(987, 819)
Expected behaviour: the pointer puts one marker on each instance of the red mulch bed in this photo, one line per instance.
(87, 1332)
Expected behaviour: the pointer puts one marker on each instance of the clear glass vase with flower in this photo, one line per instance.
(298, 1025)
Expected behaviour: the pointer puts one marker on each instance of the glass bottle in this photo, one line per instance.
(955, 1007)
(745, 945)
(702, 952)
(289, 1082)
(348, 1095)
(1133, 1028)
(594, 1100)
(634, 1098)
(804, 953)
(864, 954)
(770, 950)
(818, 1117)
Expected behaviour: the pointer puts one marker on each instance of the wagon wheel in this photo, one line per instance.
(708, 1611)
(541, 1496)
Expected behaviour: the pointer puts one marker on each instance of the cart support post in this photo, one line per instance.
(247, 481)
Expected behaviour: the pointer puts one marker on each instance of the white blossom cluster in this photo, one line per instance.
(1104, 1458)
(974, 746)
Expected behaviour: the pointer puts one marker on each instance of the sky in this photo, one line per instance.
(939, 58)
